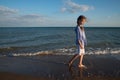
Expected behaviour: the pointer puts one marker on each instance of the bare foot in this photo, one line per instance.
(82, 66)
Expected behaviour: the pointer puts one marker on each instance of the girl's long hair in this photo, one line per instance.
(80, 18)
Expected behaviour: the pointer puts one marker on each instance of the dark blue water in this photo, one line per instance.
(37, 39)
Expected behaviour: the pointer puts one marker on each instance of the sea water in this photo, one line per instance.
(33, 41)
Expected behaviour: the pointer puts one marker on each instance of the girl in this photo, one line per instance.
(80, 41)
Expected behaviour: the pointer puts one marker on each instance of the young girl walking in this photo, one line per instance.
(80, 41)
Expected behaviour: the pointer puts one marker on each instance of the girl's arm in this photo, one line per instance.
(81, 45)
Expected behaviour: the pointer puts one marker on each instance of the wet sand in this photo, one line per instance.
(54, 67)
(13, 76)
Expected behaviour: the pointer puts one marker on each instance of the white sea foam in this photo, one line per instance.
(32, 54)
(69, 51)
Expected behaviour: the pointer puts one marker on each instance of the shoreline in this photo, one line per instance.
(53, 67)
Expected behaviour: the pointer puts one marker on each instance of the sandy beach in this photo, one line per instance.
(54, 67)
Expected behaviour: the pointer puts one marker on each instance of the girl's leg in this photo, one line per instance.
(82, 52)
(81, 59)
(80, 63)
(73, 59)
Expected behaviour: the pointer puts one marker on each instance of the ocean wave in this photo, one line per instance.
(34, 37)
(68, 51)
